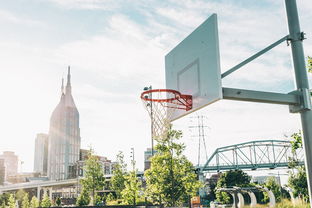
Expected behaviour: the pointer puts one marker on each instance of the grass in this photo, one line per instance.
(285, 203)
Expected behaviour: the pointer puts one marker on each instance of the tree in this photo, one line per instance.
(228, 179)
(171, 178)
(46, 202)
(110, 197)
(20, 196)
(58, 201)
(273, 186)
(298, 183)
(309, 63)
(132, 189)
(94, 178)
(25, 201)
(34, 203)
(11, 201)
(83, 199)
(4, 198)
(119, 173)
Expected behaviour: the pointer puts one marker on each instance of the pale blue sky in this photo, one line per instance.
(116, 48)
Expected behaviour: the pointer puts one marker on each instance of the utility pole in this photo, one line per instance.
(296, 38)
(201, 134)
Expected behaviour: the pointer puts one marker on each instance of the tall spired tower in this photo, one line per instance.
(64, 136)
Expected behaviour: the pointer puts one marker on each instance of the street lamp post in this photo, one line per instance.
(133, 168)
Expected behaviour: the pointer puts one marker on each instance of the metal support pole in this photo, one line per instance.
(152, 124)
(38, 192)
(296, 37)
(132, 161)
(151, 114)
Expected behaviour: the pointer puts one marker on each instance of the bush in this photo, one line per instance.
(114, 202)
(83, 199)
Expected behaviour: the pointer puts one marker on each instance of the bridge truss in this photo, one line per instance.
(252, 155)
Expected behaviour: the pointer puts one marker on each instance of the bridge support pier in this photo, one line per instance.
(38, 192)
(50, 193)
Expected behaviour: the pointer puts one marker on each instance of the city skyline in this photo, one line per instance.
(117, 49)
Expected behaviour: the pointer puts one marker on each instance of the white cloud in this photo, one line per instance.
(88, 4)
(124, 51)
(6, 16)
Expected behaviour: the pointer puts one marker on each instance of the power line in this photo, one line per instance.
(200, 126)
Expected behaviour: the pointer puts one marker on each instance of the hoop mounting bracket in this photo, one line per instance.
(304, 101)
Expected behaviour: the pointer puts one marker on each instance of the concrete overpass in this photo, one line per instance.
(69, 186)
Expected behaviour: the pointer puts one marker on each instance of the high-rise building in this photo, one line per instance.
(147, 158)
(107, 165)
(2, 172)
(64, 136)
(41, 154)
(10, 163)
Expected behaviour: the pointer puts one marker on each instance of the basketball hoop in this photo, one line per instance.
(161, 104)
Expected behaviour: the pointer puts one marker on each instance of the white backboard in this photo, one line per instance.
(193, 67)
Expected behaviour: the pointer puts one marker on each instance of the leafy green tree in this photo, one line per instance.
(83, 199)
(296, 143)
(11, 201)
(273, 186)
(34, 203)
(119, 173)
(110, 197)
(46, 202)
(58, 201)
(20, 196)
(4, 198)
(94, 178)
(298, 182)
(228, 179)
(171, 179)
(309, 63)
(25, 201)
(132, 189)
(98, 200)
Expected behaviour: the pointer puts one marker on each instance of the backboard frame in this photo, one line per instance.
(193, 67)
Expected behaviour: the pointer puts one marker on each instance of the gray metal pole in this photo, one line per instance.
(302, 83)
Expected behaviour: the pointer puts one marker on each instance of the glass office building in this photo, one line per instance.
(64, 136)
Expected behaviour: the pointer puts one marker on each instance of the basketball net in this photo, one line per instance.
(161, 105)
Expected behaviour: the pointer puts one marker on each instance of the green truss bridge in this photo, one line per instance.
(268, 154)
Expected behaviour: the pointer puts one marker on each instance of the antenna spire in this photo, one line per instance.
(68, 86)
(68, 76)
